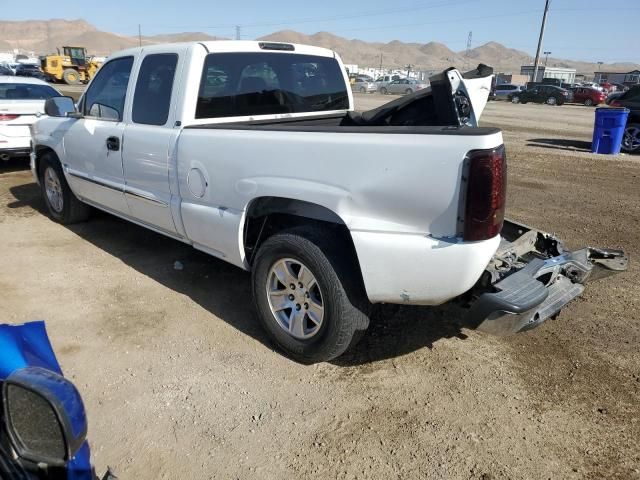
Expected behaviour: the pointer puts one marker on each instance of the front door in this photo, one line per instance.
(93, 144)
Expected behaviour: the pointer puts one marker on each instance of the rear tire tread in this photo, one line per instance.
(341, 286)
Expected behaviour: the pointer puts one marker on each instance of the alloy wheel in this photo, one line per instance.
(295, 298)
(53, 188)
(631, 139)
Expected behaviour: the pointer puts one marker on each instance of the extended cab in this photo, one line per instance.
(253, 153)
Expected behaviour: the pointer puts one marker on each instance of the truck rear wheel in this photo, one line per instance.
(71, 77)
(64, 207)
(308, 296)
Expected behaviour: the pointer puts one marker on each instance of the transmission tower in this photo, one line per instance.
(468, 53)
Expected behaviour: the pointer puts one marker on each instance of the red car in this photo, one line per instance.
(588, 96)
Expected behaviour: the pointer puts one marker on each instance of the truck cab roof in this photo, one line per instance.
(234, 46)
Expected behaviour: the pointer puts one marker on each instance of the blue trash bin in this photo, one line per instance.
(608, 130)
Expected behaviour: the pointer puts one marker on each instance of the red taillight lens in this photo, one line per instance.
(615, 103)
(486, 194)
(7, 116)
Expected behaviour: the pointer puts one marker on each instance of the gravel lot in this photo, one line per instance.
(180, 382)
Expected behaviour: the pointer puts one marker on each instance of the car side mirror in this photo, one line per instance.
(59, 106)
(43, 416)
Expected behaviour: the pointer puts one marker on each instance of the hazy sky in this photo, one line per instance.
(593, 30)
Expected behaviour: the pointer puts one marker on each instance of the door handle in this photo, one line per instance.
(113, 143)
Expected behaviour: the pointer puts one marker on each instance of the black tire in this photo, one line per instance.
(408, 91)
(345, 304)
(631, 138)
(71, 77)
(588, 102)
(516, 99)
(73, 210)
(551, 101)
(383, 90)
(363, 90)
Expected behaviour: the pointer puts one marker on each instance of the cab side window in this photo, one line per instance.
(152, 97)
(105, 96)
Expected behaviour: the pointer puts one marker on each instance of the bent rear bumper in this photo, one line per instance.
(523, 299)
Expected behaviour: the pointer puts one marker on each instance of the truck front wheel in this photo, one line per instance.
(308, 296)
(64, 207)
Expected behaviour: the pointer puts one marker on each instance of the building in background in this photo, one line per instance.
(566, 75)
(511, 79)
(626, 78)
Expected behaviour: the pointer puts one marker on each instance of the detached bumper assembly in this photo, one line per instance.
(531, 278)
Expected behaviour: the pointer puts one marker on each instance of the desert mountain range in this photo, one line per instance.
(43, 36)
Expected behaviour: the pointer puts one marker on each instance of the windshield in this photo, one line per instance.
(245, 84)
(25, 91)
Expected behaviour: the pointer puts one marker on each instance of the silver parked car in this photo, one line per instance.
(404, 85)
(363, 86)
(384, 80)
(503, 91)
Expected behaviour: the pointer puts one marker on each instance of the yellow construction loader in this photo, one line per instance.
(72, 67)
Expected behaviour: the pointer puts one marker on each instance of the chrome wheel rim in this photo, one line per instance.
(295, 298)
(551, 101)
(631, 139)
(53, 188)
(515, 99)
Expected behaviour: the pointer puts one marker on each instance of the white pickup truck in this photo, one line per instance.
(252, 152)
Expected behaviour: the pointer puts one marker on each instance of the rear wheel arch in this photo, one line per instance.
(267, 216)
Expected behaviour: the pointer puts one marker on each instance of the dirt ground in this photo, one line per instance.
(180, 381)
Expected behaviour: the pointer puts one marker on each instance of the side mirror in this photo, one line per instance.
(59, 106)
(44, 416)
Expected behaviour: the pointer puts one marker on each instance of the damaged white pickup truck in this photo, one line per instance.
(252, 152)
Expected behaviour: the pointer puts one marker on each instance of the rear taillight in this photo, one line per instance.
(615, 103)
(4, 117)
(486, 194)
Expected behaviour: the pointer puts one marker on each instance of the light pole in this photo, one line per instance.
(599, 76)
(546, 57)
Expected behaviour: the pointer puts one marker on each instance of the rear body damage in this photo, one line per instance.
(532, 277)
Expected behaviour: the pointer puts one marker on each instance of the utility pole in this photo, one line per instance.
(238, 32)
(544, 21)
(468, 52)
(546, 57)
(408, 67)
(380, 65)
(139, 35)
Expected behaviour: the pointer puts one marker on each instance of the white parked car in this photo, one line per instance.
(403, 86)
(21, 102)
(364, 86)
(252, 152)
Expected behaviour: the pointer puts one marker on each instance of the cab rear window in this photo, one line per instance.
(249, 84)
